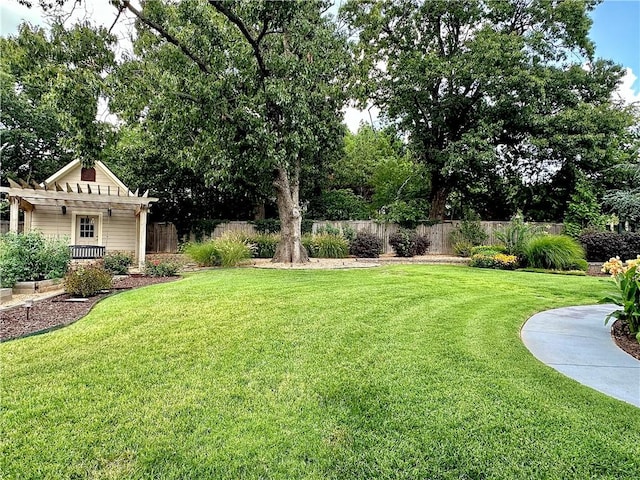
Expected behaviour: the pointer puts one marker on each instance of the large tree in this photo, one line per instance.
(50, 83)
(250, 89)
(493, 94)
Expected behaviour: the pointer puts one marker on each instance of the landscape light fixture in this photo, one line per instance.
(28, 303)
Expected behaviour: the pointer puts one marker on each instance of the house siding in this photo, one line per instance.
(102, 179)
(118, 230)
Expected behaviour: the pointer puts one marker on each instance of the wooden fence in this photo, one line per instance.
(162, 238)
(438, 234)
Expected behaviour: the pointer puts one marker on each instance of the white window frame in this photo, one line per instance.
(74, 223)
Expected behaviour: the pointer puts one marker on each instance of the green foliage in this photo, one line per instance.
(157, 268)
(627, 280)
(407, 243)
(492, 259)
(225, 251)
(366, 245)
(342, 204)
(600, 247)
(267, 225)
(467, 235)
(264, 245)
(516, 236)
(50, 85)
(87, 280)
(583, 211)
(555, 252)
(488, 249)
(326, 245)
(31, 256)
(117, 263)
(485, 108)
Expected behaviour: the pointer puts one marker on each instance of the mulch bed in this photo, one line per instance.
(624, 340)
(55, 312)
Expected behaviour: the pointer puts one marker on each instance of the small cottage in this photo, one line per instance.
(89, 206)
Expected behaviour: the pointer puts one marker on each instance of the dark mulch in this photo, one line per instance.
(624, 340)
(55, 312)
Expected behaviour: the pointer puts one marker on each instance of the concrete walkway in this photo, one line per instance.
(576, 342)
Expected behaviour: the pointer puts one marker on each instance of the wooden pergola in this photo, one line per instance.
(29, 196)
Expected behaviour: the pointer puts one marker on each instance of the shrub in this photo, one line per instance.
(117, 263)
(204, 254)
(556, 252)
(157, 268)
(231, 252)
(366, 245)
(407, 243)
(468, 235)
(488, 249)
(627, 280)
(31, 256)
(87, 280)
(326, 246)
(328, 230)
(494, 260)
(517, 235)
(264, 245)
(600, 247)
(268, 225)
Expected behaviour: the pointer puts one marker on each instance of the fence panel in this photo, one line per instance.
(162, 238)
(438, 234)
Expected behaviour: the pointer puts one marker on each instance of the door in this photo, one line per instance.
(87, 230)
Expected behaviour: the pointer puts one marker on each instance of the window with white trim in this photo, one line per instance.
(87, 227)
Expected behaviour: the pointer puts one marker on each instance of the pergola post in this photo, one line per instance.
(14, 211)
(142, 237)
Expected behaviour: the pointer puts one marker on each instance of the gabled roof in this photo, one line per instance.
(76, 163)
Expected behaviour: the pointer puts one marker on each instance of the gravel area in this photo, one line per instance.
(53, 310)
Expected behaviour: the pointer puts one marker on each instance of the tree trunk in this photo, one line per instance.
(438, 203)
(290, 248)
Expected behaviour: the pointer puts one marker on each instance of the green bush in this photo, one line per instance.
(555, 252)
(264, 245)
(87, 280)
(117, 263)
(157, 268)
(204, 254)
(488, 249)
(228, 251)
(326, 246)
(468, 235)
(517, 235)
(231, 252)
(366, 245)
(494, 260)
(31, 256)
(407, 243)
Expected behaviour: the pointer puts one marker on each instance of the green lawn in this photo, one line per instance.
(411, 372)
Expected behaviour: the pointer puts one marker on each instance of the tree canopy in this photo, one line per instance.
(496, 97)
(50, 85)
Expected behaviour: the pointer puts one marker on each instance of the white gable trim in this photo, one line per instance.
(112, 176)
(60, 173)
(75, 163)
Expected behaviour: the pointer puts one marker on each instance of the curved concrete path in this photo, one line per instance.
(576, 342)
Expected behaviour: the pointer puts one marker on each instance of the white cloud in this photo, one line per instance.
(625, 91)
(354, 117)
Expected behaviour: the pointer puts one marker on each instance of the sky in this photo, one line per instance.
(615, 31)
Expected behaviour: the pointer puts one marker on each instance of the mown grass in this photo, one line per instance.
(394, 372)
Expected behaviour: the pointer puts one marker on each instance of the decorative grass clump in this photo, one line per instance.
(404, 372)
(554, 252)
(326, 245)
(224, 252)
